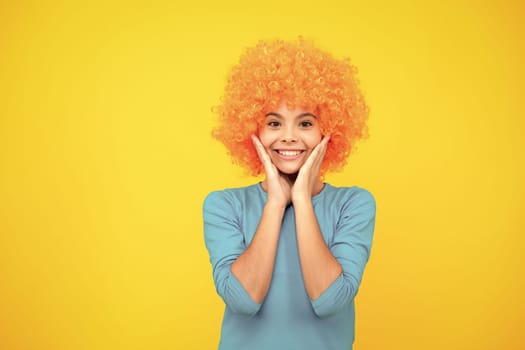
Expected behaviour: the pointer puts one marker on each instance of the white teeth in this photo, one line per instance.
(289, 153)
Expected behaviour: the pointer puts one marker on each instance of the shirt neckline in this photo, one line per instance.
(314, 197)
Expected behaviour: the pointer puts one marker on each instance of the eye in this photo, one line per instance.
(305, 124)
(273, 124)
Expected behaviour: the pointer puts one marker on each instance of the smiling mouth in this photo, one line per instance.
(288, 153)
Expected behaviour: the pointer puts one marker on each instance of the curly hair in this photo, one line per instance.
(302, 76)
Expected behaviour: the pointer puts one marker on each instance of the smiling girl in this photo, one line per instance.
(288, 254)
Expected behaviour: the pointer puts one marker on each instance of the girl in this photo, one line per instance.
(288, 253)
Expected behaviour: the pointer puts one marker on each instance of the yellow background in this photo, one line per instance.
(106, 156)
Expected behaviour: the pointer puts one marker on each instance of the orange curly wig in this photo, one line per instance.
(303, 76)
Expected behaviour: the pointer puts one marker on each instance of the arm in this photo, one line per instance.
(225, 243)
(331, 274)
(319, 267)
(242, 275)
(351, 248)
(254, 267)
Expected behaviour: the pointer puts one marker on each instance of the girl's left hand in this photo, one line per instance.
(308, 177)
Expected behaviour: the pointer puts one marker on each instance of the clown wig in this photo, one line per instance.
(302, 76)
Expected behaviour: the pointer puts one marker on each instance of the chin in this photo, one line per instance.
(289, 171)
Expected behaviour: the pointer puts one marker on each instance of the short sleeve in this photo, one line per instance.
(351, 247)
(225, 242)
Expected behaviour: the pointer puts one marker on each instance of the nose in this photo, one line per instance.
(287, 139)
(288, 136)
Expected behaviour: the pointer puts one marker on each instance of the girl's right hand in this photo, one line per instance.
(278, 187)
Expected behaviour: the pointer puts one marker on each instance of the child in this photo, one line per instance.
(288, 253)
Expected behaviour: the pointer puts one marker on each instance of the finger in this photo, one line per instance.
(319, 150)
(261, 152)
(318, 154)
(263, 155)
(322, 152)
(324, 144)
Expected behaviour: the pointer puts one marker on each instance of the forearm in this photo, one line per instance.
(254, 267)
(319, 267)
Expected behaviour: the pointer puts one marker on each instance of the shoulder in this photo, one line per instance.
(354, 195)
(230, 196)
(350, 208)
(346, 202)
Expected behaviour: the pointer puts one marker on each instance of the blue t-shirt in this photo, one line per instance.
(287, 318)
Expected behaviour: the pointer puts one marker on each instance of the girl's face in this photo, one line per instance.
(289, 136)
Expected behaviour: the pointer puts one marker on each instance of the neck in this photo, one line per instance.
(290, 178)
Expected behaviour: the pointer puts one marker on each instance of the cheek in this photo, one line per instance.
(265, 139)
(315, 139)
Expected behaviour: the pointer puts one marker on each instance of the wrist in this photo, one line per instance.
(302, 199)
(275, 204)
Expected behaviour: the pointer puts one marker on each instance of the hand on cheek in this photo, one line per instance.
(308, 177)
(278, 187)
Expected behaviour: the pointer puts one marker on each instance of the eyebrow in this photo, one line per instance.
(302, 115)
